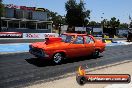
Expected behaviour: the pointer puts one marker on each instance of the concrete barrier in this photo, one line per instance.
(2, 41)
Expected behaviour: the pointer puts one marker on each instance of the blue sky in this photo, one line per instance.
(111, 8)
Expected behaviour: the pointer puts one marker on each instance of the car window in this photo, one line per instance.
(89, 39)
(69, 38)
(63, 37)
(79, 40)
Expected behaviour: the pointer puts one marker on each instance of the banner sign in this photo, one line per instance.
(27, 35)
(39, 35)
(97, 30)
(27, 8)
(24, 7)
(12, 6)
(11, 35)
(122, 31)
(80, 28)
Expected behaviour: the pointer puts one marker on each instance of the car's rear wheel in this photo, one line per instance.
(57, 58)
(96, 53)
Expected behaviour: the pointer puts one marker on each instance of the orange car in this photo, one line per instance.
(68, 45)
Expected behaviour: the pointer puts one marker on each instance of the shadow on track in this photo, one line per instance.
(43, 63)
(39, 62)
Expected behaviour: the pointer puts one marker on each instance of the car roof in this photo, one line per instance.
(74, 34)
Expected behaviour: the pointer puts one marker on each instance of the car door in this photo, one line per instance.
(89, 45)
(77, 47)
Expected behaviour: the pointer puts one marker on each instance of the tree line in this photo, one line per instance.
(77, 16)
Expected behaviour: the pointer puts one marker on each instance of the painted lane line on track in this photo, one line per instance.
(14, 43)
(14, 48)
(12, 52)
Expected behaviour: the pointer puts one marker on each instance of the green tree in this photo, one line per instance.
(76, 15)
(92, 23)
(114, 23)
(1, 12)
(105, 23)
(123, 25)
(1, 8)
(56, 18)
(110, 26)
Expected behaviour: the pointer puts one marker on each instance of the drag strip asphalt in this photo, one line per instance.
(21, 69)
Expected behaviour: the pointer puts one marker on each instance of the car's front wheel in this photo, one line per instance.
(96, 53)
(57, 58)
